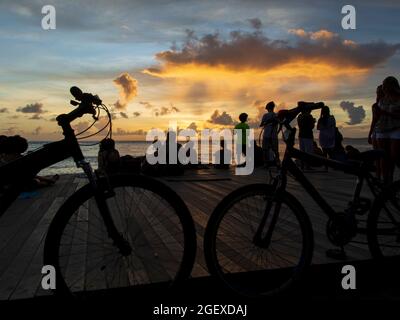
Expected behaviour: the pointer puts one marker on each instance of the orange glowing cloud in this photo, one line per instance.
(250, 64)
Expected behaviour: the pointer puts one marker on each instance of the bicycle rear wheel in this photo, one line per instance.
(249, 269)
(383, 225)
(149, 215)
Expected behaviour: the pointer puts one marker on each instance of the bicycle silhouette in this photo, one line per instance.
(117, 231)
(261, 227)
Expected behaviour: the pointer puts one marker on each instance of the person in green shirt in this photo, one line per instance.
(243, 126)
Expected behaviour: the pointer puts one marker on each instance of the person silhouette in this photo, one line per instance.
(387, 127)
(306, 123)
(270, 135)
(243, 126)
(108, 157)
(372, 131)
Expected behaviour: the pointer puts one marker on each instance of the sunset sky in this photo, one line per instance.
(200, 63)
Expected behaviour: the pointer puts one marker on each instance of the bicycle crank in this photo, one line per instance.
(341, 229)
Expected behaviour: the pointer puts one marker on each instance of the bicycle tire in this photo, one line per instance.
(244, 282)
(180, 214)
(383, 223)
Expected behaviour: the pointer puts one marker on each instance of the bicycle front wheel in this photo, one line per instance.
(383, 225)
(246, 267)
(150, 217)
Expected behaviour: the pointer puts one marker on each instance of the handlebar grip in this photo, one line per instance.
(83, 108)
(76, 92)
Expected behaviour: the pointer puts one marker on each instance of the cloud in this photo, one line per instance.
(122, 132)
(37, 131)
(123, 115)
(356, 114)
(192, 126)
(32, 108)
(166, 110)
(146, 104)
(127, 90)
(255, 23)
(255, 51)
(221, 118)
(81, 126)
(36, 117)
(10, 131)
(136, 114)
(3, 110)
(318, 35)
(159, 111)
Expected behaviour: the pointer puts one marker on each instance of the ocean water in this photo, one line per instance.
(138, 148)
(90, 151)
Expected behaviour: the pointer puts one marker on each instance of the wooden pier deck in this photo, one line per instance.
(24, 226)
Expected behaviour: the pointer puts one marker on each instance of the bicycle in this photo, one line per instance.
(116, 231)
(261, 227)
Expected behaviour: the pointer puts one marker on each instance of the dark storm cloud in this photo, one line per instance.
(356, 114)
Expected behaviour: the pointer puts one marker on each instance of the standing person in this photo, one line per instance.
(270, 135)
(372, 132)
(306, 123)
(326, 126)
(388, 127)
(244, 127)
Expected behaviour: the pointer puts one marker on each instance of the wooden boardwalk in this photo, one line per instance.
(24, 226)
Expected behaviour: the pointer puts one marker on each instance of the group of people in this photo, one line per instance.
(330, 139)
(384, 134)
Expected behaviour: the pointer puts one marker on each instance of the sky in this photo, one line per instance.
(200, 63)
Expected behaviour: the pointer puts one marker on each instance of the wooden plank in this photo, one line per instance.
(16, 270)
(21, 241)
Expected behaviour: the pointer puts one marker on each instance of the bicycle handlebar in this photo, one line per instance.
(287, 116)
(87, 105)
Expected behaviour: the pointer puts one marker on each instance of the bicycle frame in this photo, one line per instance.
(288, 165)
(19, 173)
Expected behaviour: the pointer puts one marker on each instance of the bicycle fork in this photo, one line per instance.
(264, 241)
(102, 193)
